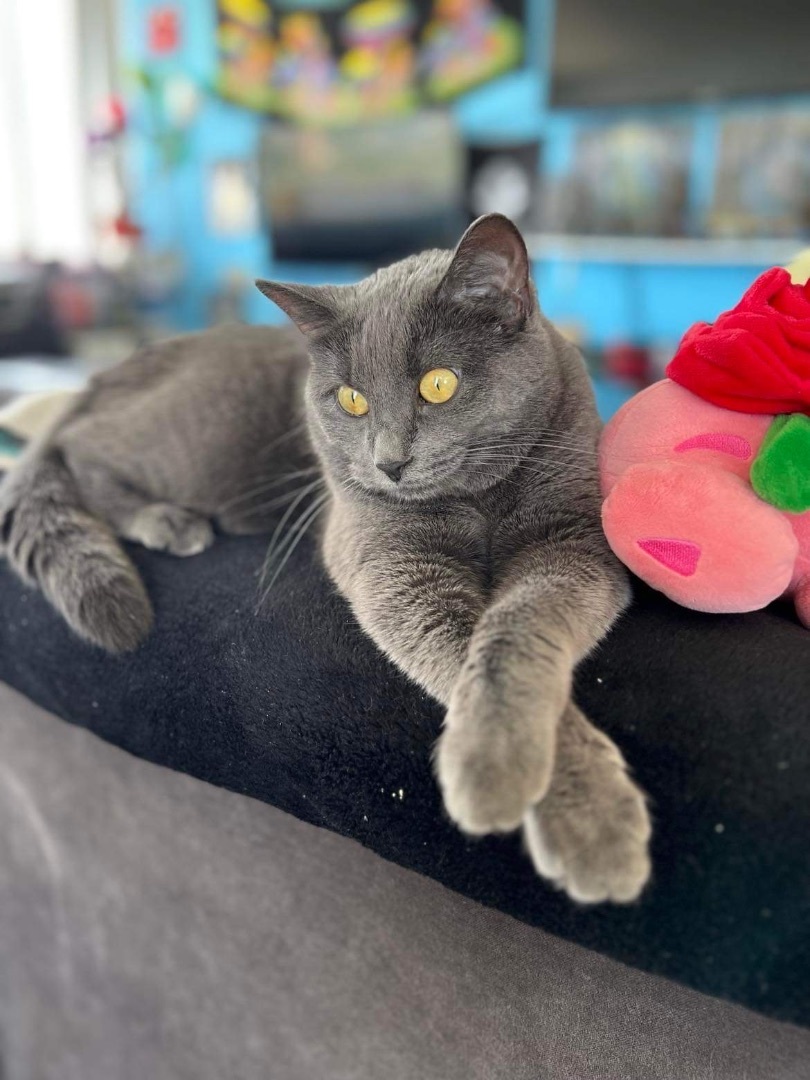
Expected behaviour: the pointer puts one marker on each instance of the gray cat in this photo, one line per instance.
(454, 434)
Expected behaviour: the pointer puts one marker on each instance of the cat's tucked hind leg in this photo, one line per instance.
(164, 527)
(590, 834)
(134, 515)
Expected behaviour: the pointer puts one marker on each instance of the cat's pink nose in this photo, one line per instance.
(682, 556)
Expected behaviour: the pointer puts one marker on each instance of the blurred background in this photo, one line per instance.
(156, 157)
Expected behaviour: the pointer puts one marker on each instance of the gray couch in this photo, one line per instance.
(153, 927)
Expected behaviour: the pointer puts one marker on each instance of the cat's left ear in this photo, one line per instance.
(491, 263)
(313, 308)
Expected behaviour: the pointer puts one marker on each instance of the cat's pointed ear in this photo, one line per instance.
(312, 308)
(491, 263)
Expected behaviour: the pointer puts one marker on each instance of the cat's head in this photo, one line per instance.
(429, 376)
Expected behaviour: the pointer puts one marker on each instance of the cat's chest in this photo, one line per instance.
(515, 525)
(357, 529)
(486, 530)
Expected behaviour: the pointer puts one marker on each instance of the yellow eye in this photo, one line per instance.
(438, 385)
(352, 401)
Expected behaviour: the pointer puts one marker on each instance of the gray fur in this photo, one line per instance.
(154, 451)
(483, 573)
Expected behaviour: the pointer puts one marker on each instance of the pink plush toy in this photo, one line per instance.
(710, 503)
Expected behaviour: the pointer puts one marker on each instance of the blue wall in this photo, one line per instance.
(653, 295)
(171, 206)
(623, 298)
(642, 304)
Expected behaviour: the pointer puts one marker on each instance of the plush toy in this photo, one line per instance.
(706, 474)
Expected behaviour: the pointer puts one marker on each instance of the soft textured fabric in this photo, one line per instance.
(153, 926)
(780, 473)
(295, 706)
(754, 358)
(681, 510)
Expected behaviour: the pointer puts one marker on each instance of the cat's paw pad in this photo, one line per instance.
(163, 527)
(490, 777)
(593, 843)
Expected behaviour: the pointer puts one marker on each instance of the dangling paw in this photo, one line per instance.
(489, 777)
(590, 835)
(495, 756)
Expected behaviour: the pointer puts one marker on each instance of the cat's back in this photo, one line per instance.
(247, 355)
(178, 408)
(224, 370)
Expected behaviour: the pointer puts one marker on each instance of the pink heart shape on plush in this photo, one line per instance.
(682, 556)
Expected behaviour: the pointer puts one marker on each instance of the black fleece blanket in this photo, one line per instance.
(294, 706)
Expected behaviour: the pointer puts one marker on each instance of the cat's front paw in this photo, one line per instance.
(493, 763)
(591, 833)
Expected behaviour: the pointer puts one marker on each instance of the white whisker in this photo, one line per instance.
(265, 486)
(281, 553)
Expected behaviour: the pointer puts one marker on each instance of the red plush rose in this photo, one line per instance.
(756, 357)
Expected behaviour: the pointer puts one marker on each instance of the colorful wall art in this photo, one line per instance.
(335, 62)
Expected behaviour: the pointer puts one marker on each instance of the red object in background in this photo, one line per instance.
(117, 114)
(110, 121)
(73, 303)
(754, 358)
(630, 363)
(164, 30)
(126, 227)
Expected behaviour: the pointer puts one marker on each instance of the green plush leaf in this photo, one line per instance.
(780, 473)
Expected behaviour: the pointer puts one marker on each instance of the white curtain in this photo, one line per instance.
(44, 210)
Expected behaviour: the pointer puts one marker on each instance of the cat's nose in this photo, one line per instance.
(392, 469)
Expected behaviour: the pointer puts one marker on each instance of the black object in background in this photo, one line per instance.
(368, 193)
(28, 322)
(630, 51)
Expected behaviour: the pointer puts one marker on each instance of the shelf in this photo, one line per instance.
(662, 251)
